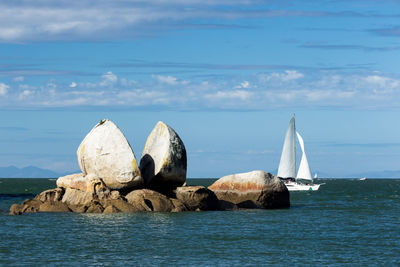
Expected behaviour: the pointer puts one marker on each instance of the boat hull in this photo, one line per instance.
(302, 187)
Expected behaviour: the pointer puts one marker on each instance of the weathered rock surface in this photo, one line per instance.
(149, 200)
(249, 190)
(256, 189)
(197, 197)
(77, 200)
(105, 153)
(47, 201)
(74, 181)
(163, 164)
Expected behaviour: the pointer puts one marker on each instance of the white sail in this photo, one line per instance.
(304, 169)
(287, 165)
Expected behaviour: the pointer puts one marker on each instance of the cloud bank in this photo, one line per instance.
(257, 91)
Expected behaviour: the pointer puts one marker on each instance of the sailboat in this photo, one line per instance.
(303, 181)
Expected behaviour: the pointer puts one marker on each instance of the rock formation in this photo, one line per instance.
(163, 164)
(105, 153)
(256, 189)
(111, 180)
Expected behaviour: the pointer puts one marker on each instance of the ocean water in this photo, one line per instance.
(346, 222)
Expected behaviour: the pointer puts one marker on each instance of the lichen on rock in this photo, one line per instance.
(163, 164)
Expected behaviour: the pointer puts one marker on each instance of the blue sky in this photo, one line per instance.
(226, 75)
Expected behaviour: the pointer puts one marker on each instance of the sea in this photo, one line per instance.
(347, 222)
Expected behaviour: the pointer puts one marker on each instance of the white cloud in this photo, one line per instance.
(3, 89)
(18, 79)
(244, 84)
(382, 82)
(109, 78)
(288, 75)
(169, 80)
(235, 94)
(25, 94)
(165, 79)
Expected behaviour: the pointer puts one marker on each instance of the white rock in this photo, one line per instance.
(75, 181)
(163, 163)
(105, 153)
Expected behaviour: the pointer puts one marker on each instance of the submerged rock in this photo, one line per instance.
(256, 189)
(163, 164)
(105, 153)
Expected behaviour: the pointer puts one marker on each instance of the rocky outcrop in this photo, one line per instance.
(47, 201)
(249, 190)
(197, 198)
(101, 200)
(112, 182)
(105, 153)
(256, 189)
(163, 164)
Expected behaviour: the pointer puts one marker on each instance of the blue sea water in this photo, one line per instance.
(345, 223)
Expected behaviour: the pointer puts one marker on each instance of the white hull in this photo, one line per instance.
(302, 187)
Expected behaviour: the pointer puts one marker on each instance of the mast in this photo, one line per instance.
(304, 169)
(287, 164)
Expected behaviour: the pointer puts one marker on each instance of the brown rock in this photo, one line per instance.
(149, 200)
(51, 195)
(54, 207)
(121, 204)
(30, 205)
(15, 209)
(256, 189)
(77, 200)
(197, 197)
(95, 207)
(110, 209)
(179, 206)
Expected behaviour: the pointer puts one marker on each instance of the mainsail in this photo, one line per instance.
(304, 169)
(287, 165)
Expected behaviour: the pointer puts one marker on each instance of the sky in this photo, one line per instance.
(226, 75)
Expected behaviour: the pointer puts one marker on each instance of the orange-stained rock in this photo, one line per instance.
(256, 189)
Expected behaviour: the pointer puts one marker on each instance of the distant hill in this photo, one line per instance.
(27, 172)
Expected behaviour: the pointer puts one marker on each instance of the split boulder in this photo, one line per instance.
(105, 153)
(164, 163)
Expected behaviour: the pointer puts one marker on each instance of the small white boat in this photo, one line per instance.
(303, 181)
(296, 186)
(363, 179)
